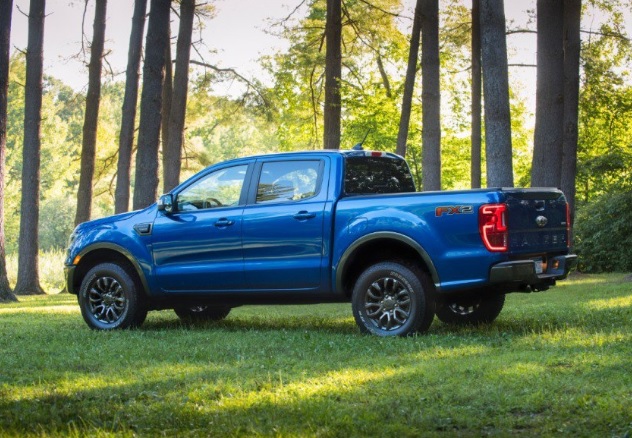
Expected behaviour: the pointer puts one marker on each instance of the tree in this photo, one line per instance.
(173, 149)
(549, 112)
(431, 96)
(572, 46)
(6, 9)
(333, 73)
(476, 96)
(146, 182)
(28, 270)
(167, 98)
(496, 94)
(409, 83)
(88, 149)
(128, 118)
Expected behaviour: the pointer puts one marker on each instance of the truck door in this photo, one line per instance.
(283, 225)
(197, 247)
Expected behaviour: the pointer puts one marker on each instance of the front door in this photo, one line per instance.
(198, 246)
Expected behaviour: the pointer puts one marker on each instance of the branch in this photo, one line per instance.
(607, 34)
(521, 65)
(392, 14)
(234, 73)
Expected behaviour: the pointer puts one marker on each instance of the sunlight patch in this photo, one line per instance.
(610, 303)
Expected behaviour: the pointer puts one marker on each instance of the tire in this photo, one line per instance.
(110, 299)
(193, 314)
(392, 299)
(471, 311)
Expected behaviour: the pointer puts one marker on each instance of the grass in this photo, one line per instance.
(554, 363)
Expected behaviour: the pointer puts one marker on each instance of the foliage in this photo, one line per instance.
(604, 233)
(553, 364)
(605, 149)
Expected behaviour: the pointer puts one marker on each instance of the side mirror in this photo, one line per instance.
(165, 203)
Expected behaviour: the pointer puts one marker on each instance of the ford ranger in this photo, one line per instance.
(321, 226)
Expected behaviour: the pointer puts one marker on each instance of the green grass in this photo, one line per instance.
(556, 363)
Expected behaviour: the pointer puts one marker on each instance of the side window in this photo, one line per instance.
(283, 181)
(221, 188)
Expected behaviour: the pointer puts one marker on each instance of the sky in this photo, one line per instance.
(236, 37)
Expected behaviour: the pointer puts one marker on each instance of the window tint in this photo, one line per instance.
(366, 175)
(288, 181)
(221, 188)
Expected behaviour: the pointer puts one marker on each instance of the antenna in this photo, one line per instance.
(358, 147)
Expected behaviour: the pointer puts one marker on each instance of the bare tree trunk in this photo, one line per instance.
(173, 149)
(28, 270)
(89, 145)
(146, 181)
(333, 73)
(6, 10)
(546, 169)
(496, 92)
(431, 96)
(167, 95)
(476, 96)
(128, 120)
(409, 84)
(572, 46)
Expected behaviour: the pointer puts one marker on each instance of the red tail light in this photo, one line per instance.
(492, 225)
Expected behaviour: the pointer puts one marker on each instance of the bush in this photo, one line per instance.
(603, 234)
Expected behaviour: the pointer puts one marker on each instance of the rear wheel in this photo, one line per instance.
(201, 313)
(109, 298)
(472, 310)
(392, 299)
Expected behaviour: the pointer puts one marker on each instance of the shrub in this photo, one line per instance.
(603, 234)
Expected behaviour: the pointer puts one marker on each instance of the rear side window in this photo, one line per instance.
(285, 181)
(368, 175)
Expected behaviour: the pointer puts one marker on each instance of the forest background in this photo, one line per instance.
(276, 104)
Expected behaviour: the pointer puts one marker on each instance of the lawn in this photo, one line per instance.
(554, 363)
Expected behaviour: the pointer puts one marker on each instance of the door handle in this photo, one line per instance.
(223, 223)
(304, 215)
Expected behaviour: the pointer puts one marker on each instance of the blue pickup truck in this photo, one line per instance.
(322, 226)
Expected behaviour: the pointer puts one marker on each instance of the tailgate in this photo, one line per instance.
(537, 221)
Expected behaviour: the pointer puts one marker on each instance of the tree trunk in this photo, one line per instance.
(28, 271)
(6, 10)
(167, 95)
(431, 96)
(409, 84)
(146, 181)
(476, 96)
(89, 144)
(173, 149)
(333, 72)
(549, 110)
(496, 94)
(572, 46)
(128, 119)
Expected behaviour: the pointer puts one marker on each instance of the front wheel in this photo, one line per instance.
(109, 299)
(391, 299)
(201, 313)
(472, 310)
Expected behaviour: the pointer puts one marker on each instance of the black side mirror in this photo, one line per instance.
(165, 203)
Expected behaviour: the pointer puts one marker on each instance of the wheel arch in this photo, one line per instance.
(376, 247)
(103, 253)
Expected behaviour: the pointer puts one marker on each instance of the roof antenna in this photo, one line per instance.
(358, 147)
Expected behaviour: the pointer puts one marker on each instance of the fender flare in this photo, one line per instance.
(390, 235)
(125, 253)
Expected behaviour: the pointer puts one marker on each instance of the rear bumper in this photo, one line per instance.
(523, 272)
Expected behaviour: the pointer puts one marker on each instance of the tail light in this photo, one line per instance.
(492, 225)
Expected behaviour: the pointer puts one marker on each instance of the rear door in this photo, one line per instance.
(283, 240)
